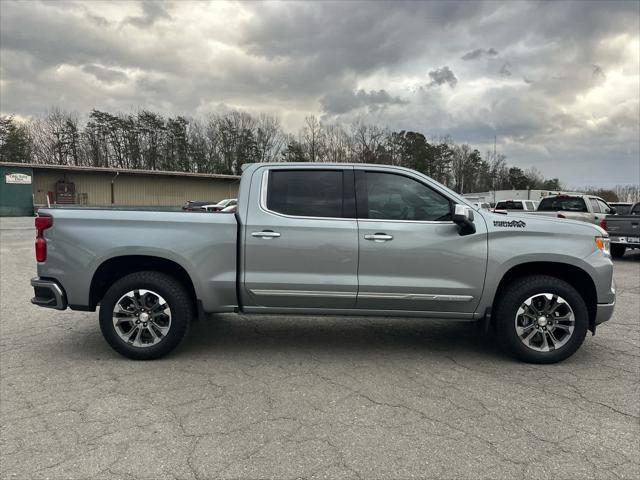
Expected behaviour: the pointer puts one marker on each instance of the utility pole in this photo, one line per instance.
(495, 138)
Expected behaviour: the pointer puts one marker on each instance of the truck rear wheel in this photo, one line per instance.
(541, 319)
(145, 315)
(617, 250)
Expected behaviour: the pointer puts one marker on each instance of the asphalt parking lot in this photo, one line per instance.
(248, 397)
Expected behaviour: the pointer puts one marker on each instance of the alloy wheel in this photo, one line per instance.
(545, 322)
(141, 318)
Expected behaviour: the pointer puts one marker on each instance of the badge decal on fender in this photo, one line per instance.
(509, 224)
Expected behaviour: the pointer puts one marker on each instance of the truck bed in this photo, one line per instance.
(83, 240)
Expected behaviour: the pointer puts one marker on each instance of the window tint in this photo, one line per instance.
(305, 193)
(567, 204)
(622, 209)
(396, 197)
(509, 205)
(604, 208)
(636, 209)
(594, 205)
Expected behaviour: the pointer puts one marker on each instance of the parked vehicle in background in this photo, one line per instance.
(624, 230)
(221, 205)
(485, 205)
(513, 205)
(230, 209)
(195, 205)
(329, 239)
(586, 208)
(622, 208)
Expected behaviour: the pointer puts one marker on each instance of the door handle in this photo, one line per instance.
(268, 234)
(378, 237)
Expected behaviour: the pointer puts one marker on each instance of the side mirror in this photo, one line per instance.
(463, 217)
(612, 211)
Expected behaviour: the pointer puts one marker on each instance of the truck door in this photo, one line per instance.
(597, 213)
(301, 239)
(412, 256)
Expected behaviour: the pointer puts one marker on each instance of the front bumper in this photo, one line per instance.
(604, 311)
(48, 293)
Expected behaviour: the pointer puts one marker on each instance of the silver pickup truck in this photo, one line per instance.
(586, 208)
(329, 239)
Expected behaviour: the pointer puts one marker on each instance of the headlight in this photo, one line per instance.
(604, 244)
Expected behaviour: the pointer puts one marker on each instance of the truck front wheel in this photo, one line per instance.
(541, 319)
(145, 315)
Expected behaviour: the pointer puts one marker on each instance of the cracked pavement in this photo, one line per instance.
(309, 397)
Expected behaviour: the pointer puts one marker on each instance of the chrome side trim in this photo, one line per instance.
(416, 296)
(303, 293)
(361, 312)
(368, 295)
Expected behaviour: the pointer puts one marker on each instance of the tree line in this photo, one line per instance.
(223, 142)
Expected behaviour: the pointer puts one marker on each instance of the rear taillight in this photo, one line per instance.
(603, 224)
(42, 223)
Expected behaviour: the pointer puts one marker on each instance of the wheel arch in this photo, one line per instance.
(117, 267)
(573, 275)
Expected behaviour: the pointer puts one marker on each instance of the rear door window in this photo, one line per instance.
(306, 193)
(566, 204)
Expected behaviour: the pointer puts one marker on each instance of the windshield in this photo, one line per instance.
(565, 204)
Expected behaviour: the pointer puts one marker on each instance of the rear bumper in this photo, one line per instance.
(48, 293)
(628, 241)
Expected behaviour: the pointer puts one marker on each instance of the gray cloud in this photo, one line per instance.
(480, 52)
(151, 12)
(598, 72)
(348, 59)
(345, 101)
(443, 75)
(505, 70)
(106, 75)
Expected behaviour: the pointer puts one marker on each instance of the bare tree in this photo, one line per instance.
(312, 136)
(367, 141)
(223, 142)
(337, 144)
(56, 138)
(270, 139)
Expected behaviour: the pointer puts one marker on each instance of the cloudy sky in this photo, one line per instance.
(557, 82)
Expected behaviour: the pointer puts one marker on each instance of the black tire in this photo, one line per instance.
(617, 250)
(177, 299)
(513, 296)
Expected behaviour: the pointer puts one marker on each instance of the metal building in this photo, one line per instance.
(25, 186)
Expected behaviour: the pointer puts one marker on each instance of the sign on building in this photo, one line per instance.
(19, 178)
